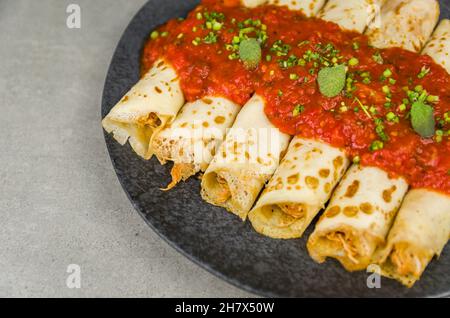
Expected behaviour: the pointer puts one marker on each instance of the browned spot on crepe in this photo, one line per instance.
(324, 173)
(333, 211)
(219, 120)
(312, 182)
(366, 208)
(352, 189)
(293, 179)
(387, 194)
(351, 211)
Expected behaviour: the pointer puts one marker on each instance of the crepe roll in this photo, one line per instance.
(422, 227)
(308, 7)
(439, 45)
(420, 232)
(152, 103)
(404, 23)
(191, 141)
(245, 161)
(354, 15)
(299, 189)
(358, 218)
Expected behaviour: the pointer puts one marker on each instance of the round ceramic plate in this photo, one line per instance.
(213, 238)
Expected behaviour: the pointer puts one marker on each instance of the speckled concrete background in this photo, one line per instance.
(60, 201)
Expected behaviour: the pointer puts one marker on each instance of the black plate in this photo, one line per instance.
(213, 238)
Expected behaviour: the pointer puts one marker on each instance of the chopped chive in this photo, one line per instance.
(392, 117)
(154, 35)
(217, 26)
(376, 145)
(378, 58)
(298, 110)
(343, 109)
(432, 99)
(353, 61)
(423, 72)
(387, 73)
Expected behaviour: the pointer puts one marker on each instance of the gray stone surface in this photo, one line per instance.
(60, 201)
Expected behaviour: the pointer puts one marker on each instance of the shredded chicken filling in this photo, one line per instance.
(348, 246)
(223, 193)
(295, 210)
(406, 262)
(180, 172)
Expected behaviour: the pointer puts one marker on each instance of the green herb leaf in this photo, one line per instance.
(332, 80)
(422, 119)
(250, 53)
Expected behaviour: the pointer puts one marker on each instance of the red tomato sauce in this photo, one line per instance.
(375, 97)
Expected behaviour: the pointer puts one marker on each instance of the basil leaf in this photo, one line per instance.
(422, 119)
(250, 53)
(332, 80)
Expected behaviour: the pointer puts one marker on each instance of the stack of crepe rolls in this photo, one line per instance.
(305, 179)
(309, 8)
(245, 161)
(422, 227)
(364, 205)
(152, 103)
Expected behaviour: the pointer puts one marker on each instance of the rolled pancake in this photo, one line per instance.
(420, 232)
(439, 45)
(422, 227)
(358, 217)
(308, 7)
(191, 141)
(152, 103)
(354, 15)
(353, 244)
(245, 161)
(299, 189)
(404, 23)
